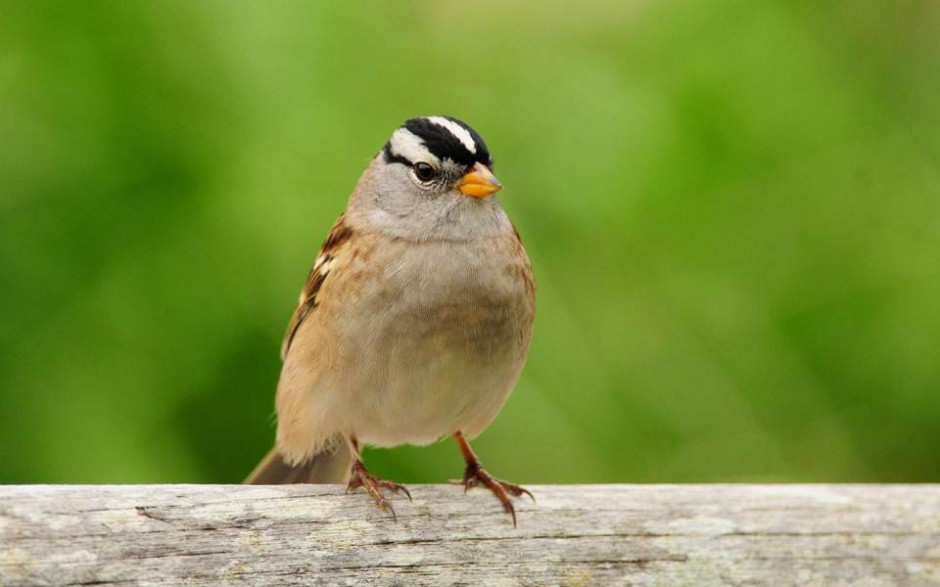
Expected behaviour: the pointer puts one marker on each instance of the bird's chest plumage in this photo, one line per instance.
(449, 347)
(467, 294)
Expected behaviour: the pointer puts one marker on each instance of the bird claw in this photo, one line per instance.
(476, 475)
(361, 477)
(517, 490)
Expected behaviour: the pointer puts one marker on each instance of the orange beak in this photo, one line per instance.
(479, 182)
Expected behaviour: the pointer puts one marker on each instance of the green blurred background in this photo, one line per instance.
(732, 207)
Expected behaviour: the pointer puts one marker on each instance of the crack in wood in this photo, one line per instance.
(645, 535)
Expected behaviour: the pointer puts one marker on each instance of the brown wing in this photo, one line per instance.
(339, 234)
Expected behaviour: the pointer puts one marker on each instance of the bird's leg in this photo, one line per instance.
(475, 475)
(359, 476)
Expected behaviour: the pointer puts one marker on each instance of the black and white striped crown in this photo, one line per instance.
(442, 137)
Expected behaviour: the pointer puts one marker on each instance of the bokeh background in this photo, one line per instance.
(732, 207)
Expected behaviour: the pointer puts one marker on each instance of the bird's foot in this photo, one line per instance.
(361, 477)
(476, 475)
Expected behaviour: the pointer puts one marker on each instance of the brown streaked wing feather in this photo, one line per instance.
(527, 276)
(339, 234)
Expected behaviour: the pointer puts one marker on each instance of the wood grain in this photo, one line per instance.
(847, 535)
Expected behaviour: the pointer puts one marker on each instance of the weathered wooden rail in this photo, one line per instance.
(847, 535)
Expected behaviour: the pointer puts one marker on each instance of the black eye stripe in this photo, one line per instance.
(394, 157)
(441, 142)
(444, 145)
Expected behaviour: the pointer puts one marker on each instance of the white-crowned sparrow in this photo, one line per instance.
(415, 321)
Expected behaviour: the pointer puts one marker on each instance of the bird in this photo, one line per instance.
(414, 323)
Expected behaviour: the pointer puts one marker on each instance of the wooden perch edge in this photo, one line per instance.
(575, 535)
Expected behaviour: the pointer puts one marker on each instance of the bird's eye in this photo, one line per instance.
(424, 171)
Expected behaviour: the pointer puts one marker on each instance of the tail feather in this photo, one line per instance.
(330, 466)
